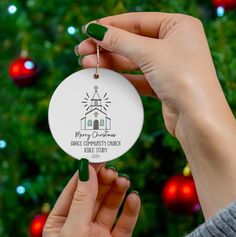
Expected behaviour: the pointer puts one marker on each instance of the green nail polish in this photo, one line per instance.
(76, 50)
(83, 29)
(136, 192)
(124, 176)
(83, 170)
(80, 60)
(96, 31)
(110, 167)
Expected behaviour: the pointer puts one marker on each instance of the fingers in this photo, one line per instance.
(141, 23)
(86, 47)
(141, 85)
(116, 40)
(80, 201)
(109, 60)
(117, 63)
(57, 216)
(108, 211)
(97, 166)
(74, 206)
(106, 177)
(126, 223)
(84, 198)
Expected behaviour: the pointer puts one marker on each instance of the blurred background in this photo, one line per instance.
(37, 40)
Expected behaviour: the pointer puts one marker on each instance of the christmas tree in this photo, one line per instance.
(33, 168)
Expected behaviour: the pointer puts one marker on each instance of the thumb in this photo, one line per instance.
(120, 41)
(81, 209)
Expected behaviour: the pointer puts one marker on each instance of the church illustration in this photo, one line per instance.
(96, 118)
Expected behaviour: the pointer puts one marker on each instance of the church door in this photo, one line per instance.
(95, 124)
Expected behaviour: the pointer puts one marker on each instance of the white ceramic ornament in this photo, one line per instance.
(97, 119)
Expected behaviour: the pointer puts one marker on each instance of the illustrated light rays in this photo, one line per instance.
(106, 102)
(86, 101)
(105, 105)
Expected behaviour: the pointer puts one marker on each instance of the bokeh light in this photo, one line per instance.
(29, 65)
(220, 11)
(20, 190)
(12, 9)
(71, 30)
(3, 144)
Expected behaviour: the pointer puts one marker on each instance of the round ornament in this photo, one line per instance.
(23, 71)
(97, 119)
(37, 224)
(226, 4)
(180, 195)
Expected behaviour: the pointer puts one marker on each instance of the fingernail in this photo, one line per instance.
(80, 60)
(83, 170)
(124, 176)
(96, 31)
(110, 167)
(83, 28)
(76, 50)
(135, 191)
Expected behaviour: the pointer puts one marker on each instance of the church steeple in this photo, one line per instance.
(96, 100)
(96, 95)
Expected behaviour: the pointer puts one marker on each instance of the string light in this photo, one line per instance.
(29, 65)
(12, 9)
(71, 30)
(3, 144)
(220, 11)
(187, 171)
(20, 190)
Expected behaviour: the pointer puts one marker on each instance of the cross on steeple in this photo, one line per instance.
(96, 100)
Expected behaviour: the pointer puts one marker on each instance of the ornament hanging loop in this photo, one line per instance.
(96, 75)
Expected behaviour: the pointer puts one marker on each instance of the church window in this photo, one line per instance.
(89, 122)
(102, 122)
(96, 103)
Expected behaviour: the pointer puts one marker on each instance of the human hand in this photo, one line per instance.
(86, 209)
(172, 52)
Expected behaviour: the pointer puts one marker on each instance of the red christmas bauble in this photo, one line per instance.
(23, 71)
(37, 224)
(180, 196)
(226, 4)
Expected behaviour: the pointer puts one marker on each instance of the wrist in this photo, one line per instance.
(208, 141)
(205, 111)
(200, 125)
